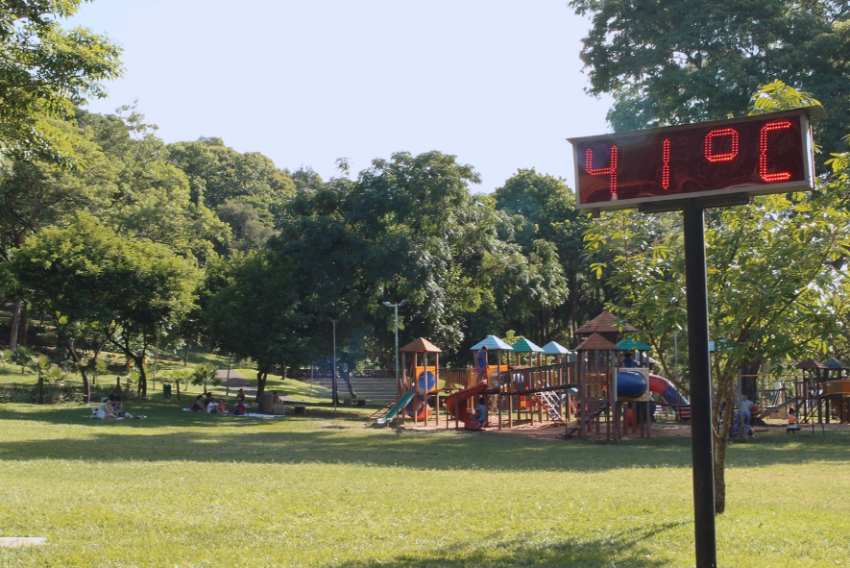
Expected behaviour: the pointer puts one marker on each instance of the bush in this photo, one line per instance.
(53, 393)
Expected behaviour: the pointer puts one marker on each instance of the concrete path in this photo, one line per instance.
(236, 382)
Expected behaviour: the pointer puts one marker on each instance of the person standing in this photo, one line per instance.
(745, 409)
(481, 362)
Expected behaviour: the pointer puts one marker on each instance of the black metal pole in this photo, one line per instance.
(702, 445)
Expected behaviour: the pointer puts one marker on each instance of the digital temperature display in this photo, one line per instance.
(748, 156)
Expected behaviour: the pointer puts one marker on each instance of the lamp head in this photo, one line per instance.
(403, 302)
(387, 304)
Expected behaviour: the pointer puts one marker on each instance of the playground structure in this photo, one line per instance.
(821, 391)
(615, 398)
(588, 392)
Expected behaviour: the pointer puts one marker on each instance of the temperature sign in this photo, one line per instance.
(748, 156)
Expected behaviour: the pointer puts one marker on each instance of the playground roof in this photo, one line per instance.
(603, 323)
(491, 342)
(553, 348)
(810, 364)
(835, 364)
(632, 345)
(526, 346)
(421, 345)
(596, 343)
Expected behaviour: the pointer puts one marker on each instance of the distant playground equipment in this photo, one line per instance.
(589, 392)
(821, 392)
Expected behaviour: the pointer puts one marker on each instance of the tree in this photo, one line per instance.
(777, 281)
(254, 308)
(673, 61)
(45, 70)
(89, 277)
(206, 376)
(544, 211)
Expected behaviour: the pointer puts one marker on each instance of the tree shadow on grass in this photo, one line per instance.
(204, 438)
(619, 549)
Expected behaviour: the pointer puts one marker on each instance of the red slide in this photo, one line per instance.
(458, 399)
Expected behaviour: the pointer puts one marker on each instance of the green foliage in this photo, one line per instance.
(777, 279)
(93, 280)
(253, 308)
(551, 303)
(206, 376)
(45, 69)
(675, 61)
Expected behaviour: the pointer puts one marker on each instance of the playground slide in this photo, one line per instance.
(665, 389)
(396, 408)
(458, 400)
(768, 411)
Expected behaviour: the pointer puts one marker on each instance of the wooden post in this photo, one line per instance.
(649, 415)
(437, 386)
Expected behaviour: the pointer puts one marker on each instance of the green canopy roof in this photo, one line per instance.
(526, 346)
(632, 345)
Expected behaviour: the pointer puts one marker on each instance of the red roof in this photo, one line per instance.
(421, 345)
(603, 323)
(596, 343)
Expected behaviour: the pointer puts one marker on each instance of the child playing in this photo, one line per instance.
(792, 422)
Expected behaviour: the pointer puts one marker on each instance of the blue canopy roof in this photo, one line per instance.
(492, 343)
(553, 348)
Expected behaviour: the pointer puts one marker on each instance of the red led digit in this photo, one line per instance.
(727, 157)
(665, 171)
(612, 169)
(779, 176)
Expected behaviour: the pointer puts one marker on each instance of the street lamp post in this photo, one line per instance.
(333, 371)
(396, 306)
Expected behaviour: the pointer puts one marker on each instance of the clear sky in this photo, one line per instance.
(496, 83)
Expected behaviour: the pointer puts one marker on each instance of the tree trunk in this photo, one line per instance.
(749, 381)
(177, 382)
(16, 321)
(347, 378)
(86, 386)
(143, 377)
(40, 388)
(721, 442)
(262, 375)
(23, 326)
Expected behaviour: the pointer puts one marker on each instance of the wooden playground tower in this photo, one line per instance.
(605, 413)
(821, 389)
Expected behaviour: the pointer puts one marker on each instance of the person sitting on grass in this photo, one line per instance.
(240, 409)
(481, 412)
(213, 406)
(199, 405)
(115, 399)
(240, 396)
(106, 411)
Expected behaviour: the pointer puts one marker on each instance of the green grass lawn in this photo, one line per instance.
(189, 490)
